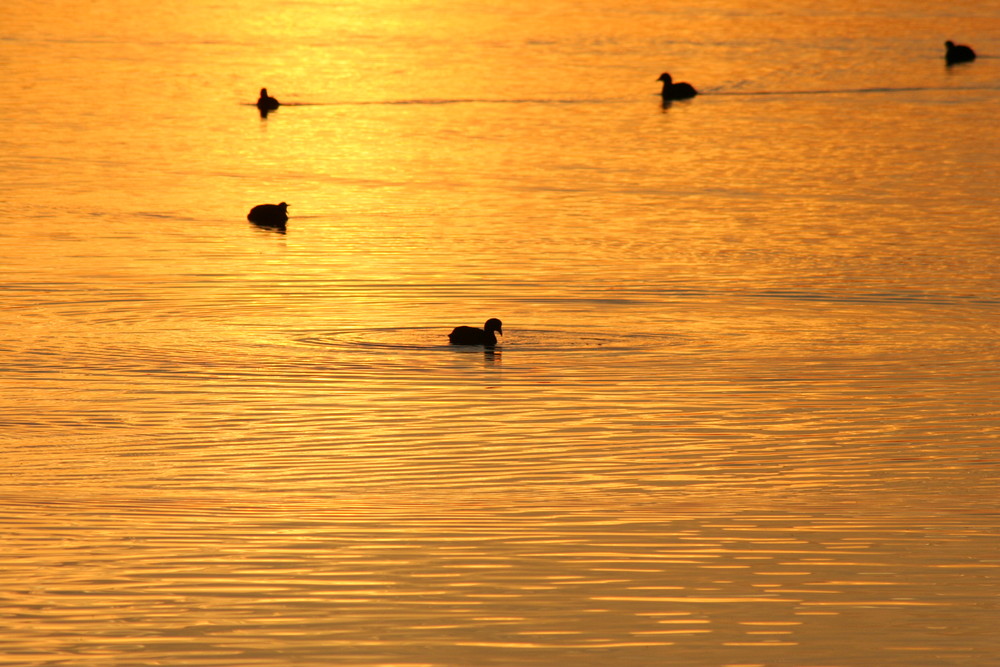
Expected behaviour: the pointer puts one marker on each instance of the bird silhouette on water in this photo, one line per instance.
(266, 103)
(958, 53)
(476, 336)
(269, 215)
(675, 91)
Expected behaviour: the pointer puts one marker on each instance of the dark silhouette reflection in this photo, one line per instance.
(266, 103)
(277, 228)
(269, 216)
(474, 336)
(492, 357)
(958, 53)
(675, 91)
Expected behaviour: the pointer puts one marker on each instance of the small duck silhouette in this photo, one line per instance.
(269, 215)
(266, 103)
(675, 91)
(958, 53)
(474, 336)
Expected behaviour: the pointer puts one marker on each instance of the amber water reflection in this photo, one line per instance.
(744, 411)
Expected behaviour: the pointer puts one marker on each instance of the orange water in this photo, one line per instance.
(744, 411)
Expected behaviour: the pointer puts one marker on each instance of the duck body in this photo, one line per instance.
(476, 336)
(675, 91)
(269, 214)
(958, 53)
(267, 103)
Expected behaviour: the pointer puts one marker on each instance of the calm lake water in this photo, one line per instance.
(746, 410)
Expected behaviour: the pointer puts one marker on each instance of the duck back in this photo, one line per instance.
(682, 91)
(269, 214)
(958, 53)
(265, 102)
(475, 336)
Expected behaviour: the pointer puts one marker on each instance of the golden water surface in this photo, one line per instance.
(744, 411)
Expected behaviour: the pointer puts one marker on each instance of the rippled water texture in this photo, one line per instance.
(744, 410)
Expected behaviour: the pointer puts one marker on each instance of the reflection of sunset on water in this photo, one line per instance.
(742, 411)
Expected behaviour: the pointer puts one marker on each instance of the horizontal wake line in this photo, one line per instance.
(444, 101)
(709, 93)
(835, 91)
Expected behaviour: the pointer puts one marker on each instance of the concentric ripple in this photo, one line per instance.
(436, 338)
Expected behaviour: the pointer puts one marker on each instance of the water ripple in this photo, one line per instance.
(523, 340)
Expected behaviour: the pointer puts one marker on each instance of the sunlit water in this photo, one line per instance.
(745, 411)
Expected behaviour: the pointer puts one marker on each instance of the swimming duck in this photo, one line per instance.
(266, 102)
(958, 53)
(676, 91)
(474, 336)
(269, 214)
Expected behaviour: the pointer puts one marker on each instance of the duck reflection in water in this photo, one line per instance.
(270, 216)
(266, 103)
(474, 336)
(675, 91)
(958, 53)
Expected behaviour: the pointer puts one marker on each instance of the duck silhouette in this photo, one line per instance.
(266, 103)
(269, 215)
(958, 53)
(675, 91)
(475, 336)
